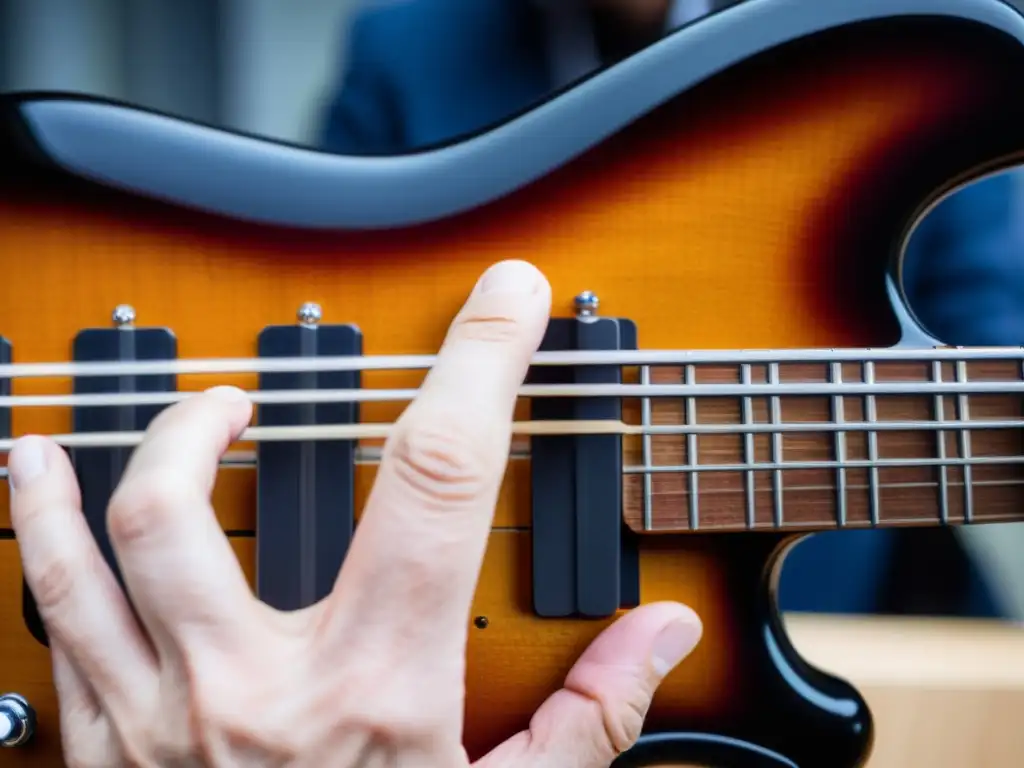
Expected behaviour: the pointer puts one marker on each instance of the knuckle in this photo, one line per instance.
(90, 746)
(630, 723)
(146, 505)
(394, 714)
(442, 466)
(491, 324)
(82, 758)
(616, 722)
(615, 728)
(28, 511)
(54, 584)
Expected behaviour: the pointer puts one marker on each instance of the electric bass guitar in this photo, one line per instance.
(732, 362)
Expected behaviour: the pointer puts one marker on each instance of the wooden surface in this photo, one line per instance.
(944, 693)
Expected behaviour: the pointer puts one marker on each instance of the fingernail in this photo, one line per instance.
(673, 644)
(27, 461)
(228, 394)
(511, 277)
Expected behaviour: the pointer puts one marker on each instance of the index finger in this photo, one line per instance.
(412, 569)
(177, 563)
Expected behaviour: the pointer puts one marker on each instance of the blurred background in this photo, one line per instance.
(260, 66)
(272, 68)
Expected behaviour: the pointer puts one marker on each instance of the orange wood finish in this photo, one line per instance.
(718, 225)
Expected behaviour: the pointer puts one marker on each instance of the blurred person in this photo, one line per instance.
(423, 72)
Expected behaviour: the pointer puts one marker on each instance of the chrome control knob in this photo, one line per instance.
(17, 720)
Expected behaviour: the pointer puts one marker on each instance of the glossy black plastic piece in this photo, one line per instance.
(99, 470)
(784, 712)
(576, 483)
(306, 490)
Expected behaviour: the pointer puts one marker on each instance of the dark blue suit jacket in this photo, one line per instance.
(426, 72)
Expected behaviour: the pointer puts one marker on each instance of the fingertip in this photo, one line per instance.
(661, 633)
(676, 640)
(31, 458)
(228, 394)
(515, 289)
(674, 612)
(513, 276)
(237, 400)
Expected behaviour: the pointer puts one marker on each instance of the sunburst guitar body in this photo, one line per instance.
(723, 220)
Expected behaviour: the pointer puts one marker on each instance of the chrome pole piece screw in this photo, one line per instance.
(17, 720)
(310, 313)
(587, 304)
(123, 315)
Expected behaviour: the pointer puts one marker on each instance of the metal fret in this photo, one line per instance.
(963, 413)
(871, 416)
(940, 447)
(781, 466)
(830, 428)
(748, 449)
(776, 419)
(691, 452)
(839, 416)
(646, 419)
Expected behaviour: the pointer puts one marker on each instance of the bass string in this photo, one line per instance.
(565, 427)
(530, 428)
(246, 460)
(251, 365)
(621, 391)
(372, 455)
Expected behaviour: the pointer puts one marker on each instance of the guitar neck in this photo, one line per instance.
(719, 441)
(828, 444)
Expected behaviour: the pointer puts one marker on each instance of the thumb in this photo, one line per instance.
(600, 711)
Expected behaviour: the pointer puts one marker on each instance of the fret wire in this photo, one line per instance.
(965, 441)
(781, 466)
(839, 416)
(940, 447)
(646, 419)
(691, 452)
(371, 456)
(776, 419)
(748, 449)
(871, 413)
(829, 427)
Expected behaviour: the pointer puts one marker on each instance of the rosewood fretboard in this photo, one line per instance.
(817, 458)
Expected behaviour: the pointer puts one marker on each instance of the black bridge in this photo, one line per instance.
(585, 560)
(306, 498)
(305, 490)
(99, 470)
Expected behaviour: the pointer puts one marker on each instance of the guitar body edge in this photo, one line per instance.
(767, 669)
